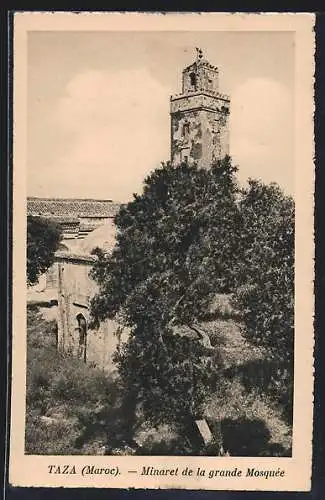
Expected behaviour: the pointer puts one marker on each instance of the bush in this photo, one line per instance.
(43, 240)
(50, 437)
(267, 377)
(265, 295)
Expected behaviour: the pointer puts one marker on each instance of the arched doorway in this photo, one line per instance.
(82, 340)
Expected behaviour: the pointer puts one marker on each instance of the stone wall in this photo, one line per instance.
(199, 116)
(75, 289)
(199, 134)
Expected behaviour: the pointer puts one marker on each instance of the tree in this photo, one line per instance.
(176, 243)
(265, 290)
(266, 268)
(190, 235)
(167, 247)
(43, 240)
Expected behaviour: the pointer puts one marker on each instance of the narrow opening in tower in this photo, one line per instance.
(186, 130)
(193, 79)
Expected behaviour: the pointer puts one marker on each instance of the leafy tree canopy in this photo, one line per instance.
(190, 235)
(167, 265)
(265, 291)
(175, 247)
(43, 239)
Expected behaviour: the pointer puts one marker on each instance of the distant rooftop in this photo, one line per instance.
(71, 207)
(67, 199)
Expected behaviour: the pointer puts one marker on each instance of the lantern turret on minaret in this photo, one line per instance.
(199, 116)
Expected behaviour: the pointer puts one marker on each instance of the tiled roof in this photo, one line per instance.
(62, 219)
(76, 257)
(71, 208)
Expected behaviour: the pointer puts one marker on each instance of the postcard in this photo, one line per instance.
(163, 251)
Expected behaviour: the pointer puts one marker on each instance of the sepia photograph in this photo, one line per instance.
(161, 220)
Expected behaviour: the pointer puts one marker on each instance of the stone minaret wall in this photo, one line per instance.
(199, 117)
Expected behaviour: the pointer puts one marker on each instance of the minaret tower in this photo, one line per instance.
(199, 116)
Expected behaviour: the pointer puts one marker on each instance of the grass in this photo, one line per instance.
(64, 396)
(245, 400)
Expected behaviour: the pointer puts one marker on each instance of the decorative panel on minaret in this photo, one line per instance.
(199, 117)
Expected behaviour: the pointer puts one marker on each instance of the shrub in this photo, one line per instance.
(43, 239)
(55, 438)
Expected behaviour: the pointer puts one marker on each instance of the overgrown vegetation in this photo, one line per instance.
(73, 408)
(191, 235)
(43, 239)
(202, 274)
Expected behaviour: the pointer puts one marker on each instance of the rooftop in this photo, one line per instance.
(71, 208)
(74, 257)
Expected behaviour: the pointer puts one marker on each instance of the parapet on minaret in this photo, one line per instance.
(199, 116)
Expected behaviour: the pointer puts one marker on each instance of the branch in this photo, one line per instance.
(171, 321)
(202, 335)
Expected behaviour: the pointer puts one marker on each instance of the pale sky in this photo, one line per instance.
(98, 106)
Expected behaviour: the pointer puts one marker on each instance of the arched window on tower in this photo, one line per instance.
(193, 80)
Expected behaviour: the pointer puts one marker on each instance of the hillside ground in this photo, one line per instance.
(73, 408)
